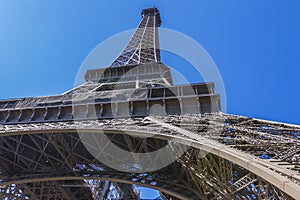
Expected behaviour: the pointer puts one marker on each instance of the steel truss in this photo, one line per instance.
(144, 45)
(53, 152)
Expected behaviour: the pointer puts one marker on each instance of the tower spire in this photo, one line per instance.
(143, 47)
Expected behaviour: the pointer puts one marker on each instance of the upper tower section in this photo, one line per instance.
(143, 47)
(136, 84)
(139, 63)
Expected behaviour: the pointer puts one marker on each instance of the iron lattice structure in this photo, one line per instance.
(144, 45)
(226, 157)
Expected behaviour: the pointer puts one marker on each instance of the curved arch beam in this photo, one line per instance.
(283, 178)
(76, 178)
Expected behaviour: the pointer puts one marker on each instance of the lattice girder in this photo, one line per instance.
(144, 45)
(217, 179)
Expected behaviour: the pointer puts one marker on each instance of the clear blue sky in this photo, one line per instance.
(255, 45)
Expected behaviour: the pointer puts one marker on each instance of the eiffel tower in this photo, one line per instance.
(135, 105)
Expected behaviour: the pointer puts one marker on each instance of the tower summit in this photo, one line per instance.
(143, 48)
